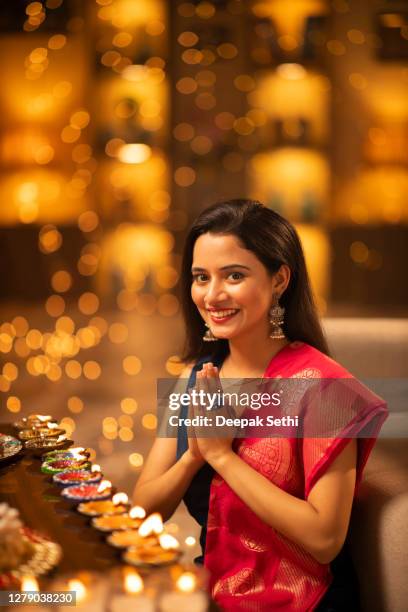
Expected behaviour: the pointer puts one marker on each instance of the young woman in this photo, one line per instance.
(274, 511)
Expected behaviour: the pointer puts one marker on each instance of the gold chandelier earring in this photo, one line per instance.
(209, 336)
(276, 319)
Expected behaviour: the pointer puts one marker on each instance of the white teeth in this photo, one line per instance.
(219, 314)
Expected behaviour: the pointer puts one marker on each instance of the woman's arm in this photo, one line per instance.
(164, 480)
(318, 524)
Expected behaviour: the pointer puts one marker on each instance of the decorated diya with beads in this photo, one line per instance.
(40, 432)
(109, 507)
(73, 477)
(39, 445)
(88, 491)
(62, 465)
(72, 453)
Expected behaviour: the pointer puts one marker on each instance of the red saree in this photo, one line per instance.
(252, 566)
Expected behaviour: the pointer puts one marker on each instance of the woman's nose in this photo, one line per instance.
(215, 293)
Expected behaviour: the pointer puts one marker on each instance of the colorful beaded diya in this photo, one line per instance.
(63, 465)
(71, 477)
(39, 445)
(113, 522)
(40, 432)
(86, 492)
(66, 454)
(107, 507)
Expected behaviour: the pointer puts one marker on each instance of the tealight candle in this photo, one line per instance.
(186, 598)
(133, 597)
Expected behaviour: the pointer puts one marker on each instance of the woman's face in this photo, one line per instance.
(231, 288)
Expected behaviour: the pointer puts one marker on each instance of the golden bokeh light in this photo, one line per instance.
(88, 303)
(188, 39)
(118, 333)
(61, 281)
(174, 365)
(73, 369)
(125, 434)
(13, 404)
(55, 305)
(136, 460)
(128, 405)
(75, 404)
(69, 425)
(125, 421)
(50, 239)
(132, 365)
(10, 371)
(92, 370)
(88, 221)
(149, 421)
(184, 176)
(56, 42)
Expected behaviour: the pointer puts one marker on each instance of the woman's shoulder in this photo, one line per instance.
(303, 360)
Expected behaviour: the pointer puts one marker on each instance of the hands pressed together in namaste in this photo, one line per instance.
(210, 443)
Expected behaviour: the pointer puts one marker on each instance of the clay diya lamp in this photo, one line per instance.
(88, 492)
(38, 445)
(36, 433)
(63, 465)
(129, 520)
(34, 420)
(131, 537)
(78, 453)
(74, 477)
(109, 507)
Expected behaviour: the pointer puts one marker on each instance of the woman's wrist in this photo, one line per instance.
(218, 460)
(190, 460)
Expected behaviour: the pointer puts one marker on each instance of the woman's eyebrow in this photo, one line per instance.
(196, 269)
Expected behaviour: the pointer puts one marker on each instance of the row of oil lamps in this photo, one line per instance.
(145, 543)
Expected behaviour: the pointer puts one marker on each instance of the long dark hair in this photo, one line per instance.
(275, 242)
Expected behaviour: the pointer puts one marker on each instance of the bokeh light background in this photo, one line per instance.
(121, 120)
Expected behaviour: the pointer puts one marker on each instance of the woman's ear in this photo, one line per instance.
(281, 279)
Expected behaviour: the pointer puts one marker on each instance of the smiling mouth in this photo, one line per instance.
(220, 316)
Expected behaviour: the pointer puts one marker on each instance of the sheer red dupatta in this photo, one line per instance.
(252, 566)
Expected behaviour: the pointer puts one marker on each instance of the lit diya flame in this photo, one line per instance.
(29, 583)
(104, 485)
(43, 418)
(95, 468)
(168, 542)
(153, 524)
(133, 583)
(52, 425)
(120, 498)
(61, 438)
(77, 452)
(137, 512)
(80, 589)
(187, 582)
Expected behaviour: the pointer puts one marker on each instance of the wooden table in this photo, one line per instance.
(42, 508)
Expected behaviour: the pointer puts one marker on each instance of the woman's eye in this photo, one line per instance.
(199, 278)
(236, 276)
